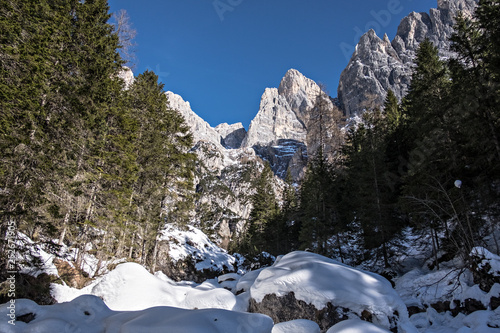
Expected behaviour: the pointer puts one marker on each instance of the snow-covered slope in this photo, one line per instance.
(130, 299)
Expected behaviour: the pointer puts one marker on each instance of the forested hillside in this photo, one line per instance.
(85, 162)
(429, 162)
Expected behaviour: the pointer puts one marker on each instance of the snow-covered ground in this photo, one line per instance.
(131, 299)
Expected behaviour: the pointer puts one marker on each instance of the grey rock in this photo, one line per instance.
(279, 132)
(378, 65)
(201, 130)
(232, 135)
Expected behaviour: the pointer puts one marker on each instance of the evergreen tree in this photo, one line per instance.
(371, 183)
(264, 213)
(319, 216)
(282, 233)
(164, 180)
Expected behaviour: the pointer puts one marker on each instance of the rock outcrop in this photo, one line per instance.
(224, 174)
(201, 130)
(378, 65)
(279, 131)
(232, 135)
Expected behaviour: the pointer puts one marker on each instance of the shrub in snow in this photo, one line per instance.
(309, 286)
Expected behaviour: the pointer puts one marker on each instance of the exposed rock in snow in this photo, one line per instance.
(232, 135)
(321, 289)
(379, 64)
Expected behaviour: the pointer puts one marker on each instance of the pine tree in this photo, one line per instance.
(282, 232)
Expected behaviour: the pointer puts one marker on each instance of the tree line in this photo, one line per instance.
(430, 162)
(86, 161)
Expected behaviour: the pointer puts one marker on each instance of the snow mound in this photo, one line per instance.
(130, 287)
(89, 314)
(420, 288)
(296, 326)
(318, 280)
(195, 244)
(488, 258)
(356, 326)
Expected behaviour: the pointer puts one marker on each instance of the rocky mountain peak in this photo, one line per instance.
(283, 111)
(300, 93)
(201, 130)
(279, 133)
(378, 65)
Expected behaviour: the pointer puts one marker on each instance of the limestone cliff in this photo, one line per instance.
(378, 65)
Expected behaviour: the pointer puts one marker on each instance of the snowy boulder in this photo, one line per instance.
(487, 270)
(303, 285)
(189, 255)
(89, 314)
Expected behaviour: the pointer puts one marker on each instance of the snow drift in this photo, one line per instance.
(90, 314)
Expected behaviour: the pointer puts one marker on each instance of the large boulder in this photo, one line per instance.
(303, 285)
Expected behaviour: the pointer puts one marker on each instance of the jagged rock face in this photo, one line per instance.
(300, 92)
(275, 120)
(201, 130)
(285, 155)
(224, 174)
(378, 65)
(279, 131)
(232, 135)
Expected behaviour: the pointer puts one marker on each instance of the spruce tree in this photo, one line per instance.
(319, 216)
(162, 190)
(264, 213)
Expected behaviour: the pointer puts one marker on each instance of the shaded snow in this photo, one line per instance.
(90, 314)
(356, 326)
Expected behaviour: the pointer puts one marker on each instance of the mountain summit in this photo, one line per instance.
(378, 65)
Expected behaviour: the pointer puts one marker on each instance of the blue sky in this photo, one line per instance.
(220, 55)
